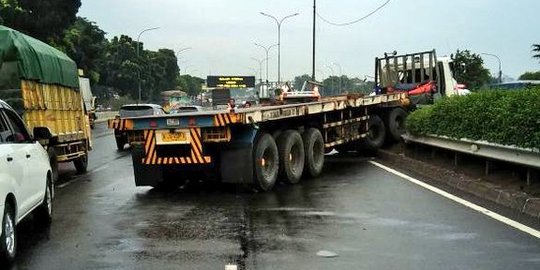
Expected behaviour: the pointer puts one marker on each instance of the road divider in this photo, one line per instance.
(104, 116)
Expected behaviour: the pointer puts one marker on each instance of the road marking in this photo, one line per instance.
(471, 205)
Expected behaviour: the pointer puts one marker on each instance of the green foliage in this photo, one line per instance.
(469, 69)
(299, 81)
(85, 43)
(530, 76)
(44, 20)
(335, 85)
(191, 85)
(117, 103)
(503, 117)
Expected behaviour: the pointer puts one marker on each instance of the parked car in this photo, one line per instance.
(25, 178)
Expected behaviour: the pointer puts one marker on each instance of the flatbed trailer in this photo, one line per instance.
(253, 146)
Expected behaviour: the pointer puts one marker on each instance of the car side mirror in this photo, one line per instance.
(42, 133)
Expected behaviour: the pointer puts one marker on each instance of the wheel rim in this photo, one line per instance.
(294, 157)
(9, 232)
(373, 132)
(267, 163)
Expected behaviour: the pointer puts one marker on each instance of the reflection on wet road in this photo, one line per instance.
(368, 217)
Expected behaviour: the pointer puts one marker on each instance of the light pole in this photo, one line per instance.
(260, 61)
(333, 75)
(340, 75)
(139, 73)
(267, 49)
(279, 22)
(500, 65)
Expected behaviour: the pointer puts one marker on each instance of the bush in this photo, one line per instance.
(502, 117)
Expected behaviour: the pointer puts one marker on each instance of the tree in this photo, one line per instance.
(536, 50)
(191, 85)
(299, 81)
(469, 69)
(85, 43)
(44, 20)
(120, 66)
(530, 76)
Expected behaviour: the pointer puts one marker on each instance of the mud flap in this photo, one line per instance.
(236, 165)
(145, 175)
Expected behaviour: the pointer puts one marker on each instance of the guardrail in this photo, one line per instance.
(522, 156)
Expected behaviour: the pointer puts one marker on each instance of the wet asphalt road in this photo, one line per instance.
(370, 218)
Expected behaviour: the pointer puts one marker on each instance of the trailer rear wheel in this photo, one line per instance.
(265, 162)
(291, 156)
(376, 134)
(395, 123)
(120, 143)
(314, 151)
(81, 163)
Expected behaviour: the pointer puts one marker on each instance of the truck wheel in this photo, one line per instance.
(265, 162)
(376, 134)
(291, 156)
(81, 163)
(395, 123)
(8, 239)
(53, 160)
(120, 143)
(314, 151)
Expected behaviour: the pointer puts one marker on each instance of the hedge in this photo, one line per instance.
(502, 117)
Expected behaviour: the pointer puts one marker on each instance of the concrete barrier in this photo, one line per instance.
(104, 116)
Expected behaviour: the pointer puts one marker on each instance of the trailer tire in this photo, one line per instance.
(53, 161)
(291, 156)
(81, 163)
(376, 134)
(314, 152)
(395, 123)
(120, 143)
(265, 162)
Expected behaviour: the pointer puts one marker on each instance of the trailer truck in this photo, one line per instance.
(42, 84)
(252, 146)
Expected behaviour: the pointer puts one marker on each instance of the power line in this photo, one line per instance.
(355, 21)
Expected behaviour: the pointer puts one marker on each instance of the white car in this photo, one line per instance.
(25, 179)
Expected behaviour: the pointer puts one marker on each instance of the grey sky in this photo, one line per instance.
(222, 32)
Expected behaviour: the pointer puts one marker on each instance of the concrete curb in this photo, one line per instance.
(513, 199)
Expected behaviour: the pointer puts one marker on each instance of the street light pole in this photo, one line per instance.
(260, 61)
(139, 71)
(279, 22)
(313, 53)
(267, 49)
(500, 65)
(340, 75)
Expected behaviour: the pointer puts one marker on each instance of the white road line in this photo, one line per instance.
(473, 206)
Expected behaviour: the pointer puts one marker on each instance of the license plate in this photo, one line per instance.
(173, 122)
(178, 137)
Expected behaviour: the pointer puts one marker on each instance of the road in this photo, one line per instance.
(368, 217)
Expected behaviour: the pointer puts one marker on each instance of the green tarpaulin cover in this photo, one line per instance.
(37, 60)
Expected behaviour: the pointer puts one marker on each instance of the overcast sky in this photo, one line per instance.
(222, 33)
